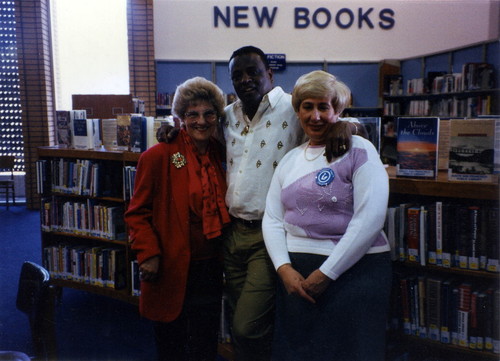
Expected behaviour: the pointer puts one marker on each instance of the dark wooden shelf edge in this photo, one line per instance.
(424, 96)
(441, 187)
(101, 154)
(120, 294)
(122, 242)
(444, 346)
(451, 270)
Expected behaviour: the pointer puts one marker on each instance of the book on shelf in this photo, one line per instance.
(444, 143)
(388, 140)
(433, 307)
(413, 233)
(446, 312)
(138, 133)
(417, 147)
(390, 231)
(80, 129)
(129, 172)
(444, 234)
(123, 131)
(88, 218)
(449, 311)
(372, 126)
(393, 84)
(109, 133)
(63, 128)
(493, 241)
(96, 133)
(135, 278)
(472, 150)
(92, 265)
(477, 76)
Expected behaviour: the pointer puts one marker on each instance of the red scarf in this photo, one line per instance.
(213, 185)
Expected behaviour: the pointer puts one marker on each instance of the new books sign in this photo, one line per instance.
(321, 30)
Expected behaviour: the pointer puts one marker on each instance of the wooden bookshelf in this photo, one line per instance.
(116, 160)
(420, 191)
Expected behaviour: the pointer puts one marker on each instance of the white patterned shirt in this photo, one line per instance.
(253, 153)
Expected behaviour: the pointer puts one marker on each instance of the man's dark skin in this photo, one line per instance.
(251, 81)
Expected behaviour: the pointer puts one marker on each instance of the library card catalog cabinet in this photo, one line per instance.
(445, 301)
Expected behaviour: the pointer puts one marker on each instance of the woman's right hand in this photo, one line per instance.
(292, 280)
(148, 270)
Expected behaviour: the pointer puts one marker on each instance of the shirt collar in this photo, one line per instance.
(271, 97)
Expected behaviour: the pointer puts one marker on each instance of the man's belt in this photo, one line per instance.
(249, 224)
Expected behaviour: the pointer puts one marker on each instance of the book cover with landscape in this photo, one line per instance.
(417, 147)
(472, 150)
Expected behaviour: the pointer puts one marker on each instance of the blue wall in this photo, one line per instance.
(452, 61)
(362, 78)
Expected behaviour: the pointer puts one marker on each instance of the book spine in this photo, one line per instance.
(412, 233)
(474, 231)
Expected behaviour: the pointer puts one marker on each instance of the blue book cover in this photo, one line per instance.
(417, 147)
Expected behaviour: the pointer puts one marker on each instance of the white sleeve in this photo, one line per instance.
(371, 194)
(273, 222)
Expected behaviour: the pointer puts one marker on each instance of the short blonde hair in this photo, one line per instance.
(195, 90)
(320, 84)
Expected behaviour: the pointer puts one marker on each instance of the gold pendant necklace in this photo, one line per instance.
(315, 157)
(246, 129)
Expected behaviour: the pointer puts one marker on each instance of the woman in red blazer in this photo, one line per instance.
(175, 220)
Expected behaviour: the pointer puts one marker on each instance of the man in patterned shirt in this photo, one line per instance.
(259, 129)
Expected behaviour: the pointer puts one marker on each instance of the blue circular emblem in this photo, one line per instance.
(324, 177)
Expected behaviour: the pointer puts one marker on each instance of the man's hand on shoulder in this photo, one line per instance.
(166, 133)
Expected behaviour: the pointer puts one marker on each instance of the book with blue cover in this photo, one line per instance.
(417, 147)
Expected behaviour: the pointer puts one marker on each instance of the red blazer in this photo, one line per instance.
(158, 221)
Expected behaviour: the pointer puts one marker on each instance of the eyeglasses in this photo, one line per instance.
(209, 116)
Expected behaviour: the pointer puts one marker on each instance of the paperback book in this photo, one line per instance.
(472, 150)
(63, 128)
(81, 129)
(123, 131)
(417, 147)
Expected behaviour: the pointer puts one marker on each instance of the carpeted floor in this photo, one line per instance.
(89, 327)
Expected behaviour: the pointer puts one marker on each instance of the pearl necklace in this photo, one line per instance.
(315, 157)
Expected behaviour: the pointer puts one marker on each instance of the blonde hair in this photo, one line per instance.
(195, 90)
(320, 84)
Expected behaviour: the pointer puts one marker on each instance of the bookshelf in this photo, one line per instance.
(453, 104)
(54, 239)
(84, 241)
(462, 82)
(419, 327)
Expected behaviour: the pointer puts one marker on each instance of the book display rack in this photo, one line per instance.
(445, 237)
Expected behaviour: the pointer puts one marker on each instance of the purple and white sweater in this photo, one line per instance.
(342, 219)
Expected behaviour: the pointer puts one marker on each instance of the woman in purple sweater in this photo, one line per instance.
(323, 223)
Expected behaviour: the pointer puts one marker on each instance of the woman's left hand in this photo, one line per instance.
(316, 283)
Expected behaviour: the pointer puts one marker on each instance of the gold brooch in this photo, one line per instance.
(178, 160)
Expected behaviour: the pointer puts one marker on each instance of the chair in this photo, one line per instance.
(7, 185)
(36, 298)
